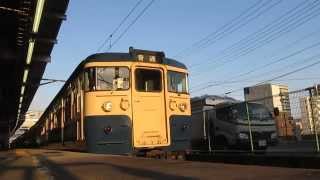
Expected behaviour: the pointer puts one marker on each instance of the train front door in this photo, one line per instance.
(148, 107)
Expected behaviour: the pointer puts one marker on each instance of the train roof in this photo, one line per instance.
(132, 56)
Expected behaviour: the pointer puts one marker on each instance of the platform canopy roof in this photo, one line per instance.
(28, 33)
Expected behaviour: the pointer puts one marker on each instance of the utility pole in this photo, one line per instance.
(313, 99)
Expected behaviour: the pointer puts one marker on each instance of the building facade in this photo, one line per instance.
(310, 114)
(31, 117)
(273, 97)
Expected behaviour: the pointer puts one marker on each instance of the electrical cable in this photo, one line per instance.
(119, 25)
(229, 25)
(131, 24)
(249, 39)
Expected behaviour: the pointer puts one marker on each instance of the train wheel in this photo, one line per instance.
(171, 156)
(181, 156)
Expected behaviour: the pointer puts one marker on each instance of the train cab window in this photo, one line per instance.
(148, 80)
(112, 78)
(177, 82)
(89, 79)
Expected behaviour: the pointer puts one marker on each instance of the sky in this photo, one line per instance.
(238, 37)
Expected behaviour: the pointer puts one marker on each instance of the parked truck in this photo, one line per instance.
(223, 123)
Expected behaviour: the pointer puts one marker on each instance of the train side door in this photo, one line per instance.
(148, 107)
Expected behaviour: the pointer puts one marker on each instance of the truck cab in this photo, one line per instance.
(223, 123)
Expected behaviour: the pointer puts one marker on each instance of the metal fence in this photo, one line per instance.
(296, 118)
(282, 122)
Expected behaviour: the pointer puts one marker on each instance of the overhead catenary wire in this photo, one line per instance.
(290, 72)
(278, 77)
(252, 39)
(275, 61)
(285, 57)
(271, 27)
(225, 83)
(197, 43)
(233, 57)
(119, 25)
(131, 24)
(245, 17)
(280, 69)
(212, 41)
(280, 80)
(268, 40)
(49, 81)
(295, 19)
(261, 75)
(265, 30)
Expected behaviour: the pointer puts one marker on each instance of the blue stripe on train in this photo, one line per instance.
(180, 130)
(100, 140)
(118, 141)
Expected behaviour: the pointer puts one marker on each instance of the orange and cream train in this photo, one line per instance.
(120, 103)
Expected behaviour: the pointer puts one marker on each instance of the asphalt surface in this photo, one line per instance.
(32, 164)
(306, 146)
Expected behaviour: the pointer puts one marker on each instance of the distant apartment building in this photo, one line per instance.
(31, 117)
(310, 114)
(273, 96)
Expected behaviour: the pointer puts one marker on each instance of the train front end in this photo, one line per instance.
(136, 102)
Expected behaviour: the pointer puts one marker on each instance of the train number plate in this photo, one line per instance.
(262, 142)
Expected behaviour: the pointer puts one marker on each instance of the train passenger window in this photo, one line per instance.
(177, 82)
(112, 78)
(148, 80)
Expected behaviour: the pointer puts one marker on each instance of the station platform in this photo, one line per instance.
(34, 164)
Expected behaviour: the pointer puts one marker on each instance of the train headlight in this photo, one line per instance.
(107, 106)
(182, 107)
(124, 104)
(172, 105)
(243, 136)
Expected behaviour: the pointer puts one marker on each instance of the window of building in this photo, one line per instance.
(284, 98)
